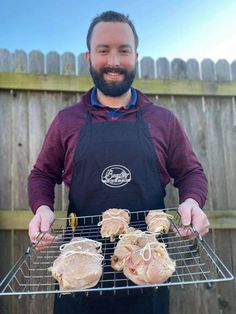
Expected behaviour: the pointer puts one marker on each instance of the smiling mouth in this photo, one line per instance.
(113, 76)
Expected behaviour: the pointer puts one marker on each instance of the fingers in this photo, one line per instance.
(34, 228)
(187, 232)
(201, 223)
(44, 240)
(39, 229)
(185, 210)
(192, 215)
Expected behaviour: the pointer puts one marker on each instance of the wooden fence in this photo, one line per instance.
(34, 87)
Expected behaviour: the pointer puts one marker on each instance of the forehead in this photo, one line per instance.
(112, 33)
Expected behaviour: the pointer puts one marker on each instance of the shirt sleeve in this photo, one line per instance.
(48, 169)
(184, 167)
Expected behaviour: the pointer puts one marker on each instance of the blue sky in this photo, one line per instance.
(175, 28)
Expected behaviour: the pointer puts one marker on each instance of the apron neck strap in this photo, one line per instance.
(139, 117)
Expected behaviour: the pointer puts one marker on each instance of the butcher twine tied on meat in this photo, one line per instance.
(114, 216)
(80, 250)
(159, 218)
(147, 247)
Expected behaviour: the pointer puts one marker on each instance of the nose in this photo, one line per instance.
(114, 59)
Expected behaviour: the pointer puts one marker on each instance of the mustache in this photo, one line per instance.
(117, 70)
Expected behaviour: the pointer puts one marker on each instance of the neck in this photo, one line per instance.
(114, 102)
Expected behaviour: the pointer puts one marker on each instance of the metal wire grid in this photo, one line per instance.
(195, 261)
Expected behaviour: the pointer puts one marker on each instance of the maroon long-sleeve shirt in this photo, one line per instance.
(174, 152)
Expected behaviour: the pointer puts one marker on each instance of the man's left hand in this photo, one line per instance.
(192, 215)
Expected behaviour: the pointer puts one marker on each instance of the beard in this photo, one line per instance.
(112, 89)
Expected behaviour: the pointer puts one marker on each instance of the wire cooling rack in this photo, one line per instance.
(195, 260)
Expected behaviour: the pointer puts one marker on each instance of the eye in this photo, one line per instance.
(102, 51)
(125, 51)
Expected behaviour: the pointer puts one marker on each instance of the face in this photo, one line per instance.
(112, 58)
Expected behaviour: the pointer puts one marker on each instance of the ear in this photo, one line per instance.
(136, 56)
(87, 56)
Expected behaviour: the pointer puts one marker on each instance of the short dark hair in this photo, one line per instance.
(111, 16)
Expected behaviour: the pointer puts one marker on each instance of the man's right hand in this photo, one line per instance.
(41, 222)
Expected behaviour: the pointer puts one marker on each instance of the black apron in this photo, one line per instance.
(115, 165)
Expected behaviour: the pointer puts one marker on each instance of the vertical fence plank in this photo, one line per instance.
(6, 150)
(208, 74)
(21, 242)
(216, 175)
(163, 69)
(5, 60)
(147, 68)
(36, 124)
(83, 68)
(6, 248)
(192, 70)
(196, 129)
(222, 70)
(208, 70)
(233, 70)
(53, 104)
(228, 133)
(53, 63)
(19, 61)
(225, 244)
(178, 69)
(68, 64)
(20, 150)
(137, 73)
(36, 62)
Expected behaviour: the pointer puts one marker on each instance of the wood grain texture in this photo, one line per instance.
(6, 150)
(34, 87)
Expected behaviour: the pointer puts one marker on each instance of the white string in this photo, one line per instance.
(142, 252)
(106, 219)
(86, 252)
(114, 216)
(136, 234)
(162, 218)
(97, 244)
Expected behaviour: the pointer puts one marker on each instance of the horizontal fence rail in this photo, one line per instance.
(19, 220)
(63, 83)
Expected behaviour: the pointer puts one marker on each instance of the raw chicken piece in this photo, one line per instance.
(142, 258)
(132, 240)
(149, 265)
(114, 222)
(158, 221)
(79, 265)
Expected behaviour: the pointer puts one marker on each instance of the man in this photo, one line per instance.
(114, 124)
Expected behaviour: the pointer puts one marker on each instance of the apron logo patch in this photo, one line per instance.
(116, 176)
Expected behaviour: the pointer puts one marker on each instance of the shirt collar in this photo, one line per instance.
(96, 103)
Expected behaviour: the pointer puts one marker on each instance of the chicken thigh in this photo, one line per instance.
(143, 259)
(79, 264)
(158, 221)
(114, 222)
